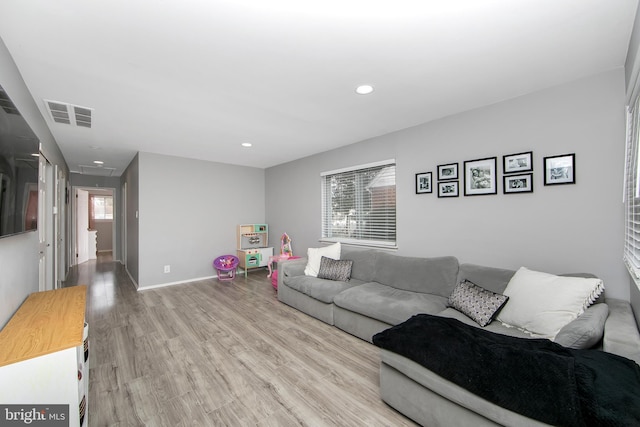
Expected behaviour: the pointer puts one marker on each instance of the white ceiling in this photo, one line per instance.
(196, 78)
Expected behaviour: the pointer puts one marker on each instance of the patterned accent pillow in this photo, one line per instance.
(333, 269)
(478, 303)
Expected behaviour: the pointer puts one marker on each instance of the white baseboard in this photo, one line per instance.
(162, 285)
(131, 277)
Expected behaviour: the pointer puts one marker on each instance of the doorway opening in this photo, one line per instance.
(95, 224)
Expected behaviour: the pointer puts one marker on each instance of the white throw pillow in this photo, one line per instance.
(314, 256)
(541, 304)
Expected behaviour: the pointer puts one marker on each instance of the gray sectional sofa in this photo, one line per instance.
(386, 290)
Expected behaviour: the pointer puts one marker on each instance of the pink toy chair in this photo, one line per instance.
(285, 253)
(226, 266)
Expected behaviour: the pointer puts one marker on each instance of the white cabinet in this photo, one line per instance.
(93, 244)
(44, 351)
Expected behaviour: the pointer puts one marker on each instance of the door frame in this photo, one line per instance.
(74, 223)
(46, 229)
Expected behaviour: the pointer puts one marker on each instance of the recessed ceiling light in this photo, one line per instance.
(98, 162)
(364, 89)
(246, 144)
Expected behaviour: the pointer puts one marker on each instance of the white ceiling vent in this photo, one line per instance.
(96, 170)
(69, 114)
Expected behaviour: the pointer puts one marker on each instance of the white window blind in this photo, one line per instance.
(632, 193)
(359, 205)
(101, 207)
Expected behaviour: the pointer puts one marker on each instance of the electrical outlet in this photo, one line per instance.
(167, 269)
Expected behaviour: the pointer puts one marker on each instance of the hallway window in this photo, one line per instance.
(101, 207)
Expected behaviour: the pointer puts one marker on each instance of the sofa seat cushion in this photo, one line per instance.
(320, 289)
(388, 304)
(407, 368)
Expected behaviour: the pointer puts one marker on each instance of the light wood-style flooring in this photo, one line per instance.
(212, 353)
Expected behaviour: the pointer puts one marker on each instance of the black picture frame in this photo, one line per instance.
(448, 172)
(448, 189)
(480, 177)
(560, 169)
(514, 184)
(424, 183)
(518, 162)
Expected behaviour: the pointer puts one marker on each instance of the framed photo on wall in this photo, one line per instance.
(518, 183)
(560, 169)
(423, 183)
(448, 189)
(449, 171)
(480, 177)
(521, 162)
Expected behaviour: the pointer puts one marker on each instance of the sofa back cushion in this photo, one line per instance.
(427, 275)
(491, 278)
(364, 262)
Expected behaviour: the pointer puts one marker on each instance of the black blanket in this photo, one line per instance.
(533, 377)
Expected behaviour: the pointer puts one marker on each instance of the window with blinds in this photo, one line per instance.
(101, 207)
(632, 193)
(359, 205)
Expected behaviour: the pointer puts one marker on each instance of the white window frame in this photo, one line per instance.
(331, 234)
(93, 210)
(631, 195)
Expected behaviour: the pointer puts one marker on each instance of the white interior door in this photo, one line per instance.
(82, 226)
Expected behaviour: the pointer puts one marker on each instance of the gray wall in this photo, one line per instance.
(130, 180)
(104, 235)
(79, 180)
(566, 228)
(632, 64)
(188, 212)
(19, 266)
(293, 190)
(19, 254)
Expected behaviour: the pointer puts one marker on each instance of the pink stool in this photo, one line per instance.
(226, 266)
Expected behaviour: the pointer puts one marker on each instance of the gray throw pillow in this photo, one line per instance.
(334, 269)
(476, 302)
(585, 331)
